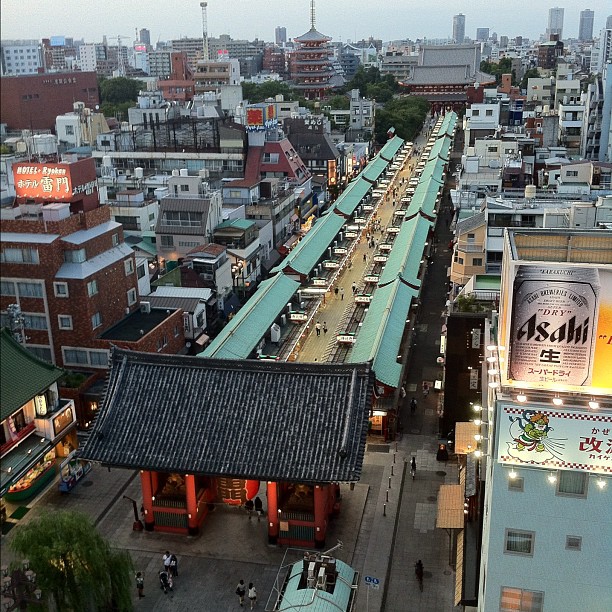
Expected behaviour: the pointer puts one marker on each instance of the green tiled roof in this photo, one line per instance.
(405, 256)
(239, 223)
(251, 323)
(352, 195)
(23, 376)
(381, 334)
(391, 147)
(310, 249)
(374, 169)
(424, 198)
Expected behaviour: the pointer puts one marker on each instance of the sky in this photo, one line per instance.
(249, 19)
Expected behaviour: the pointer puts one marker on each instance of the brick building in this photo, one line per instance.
(34, 101)
(66, 265)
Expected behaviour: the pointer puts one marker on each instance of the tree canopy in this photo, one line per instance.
(119, 89)
(255, 93)
(75, 566)
(504, 66)
(406, 114)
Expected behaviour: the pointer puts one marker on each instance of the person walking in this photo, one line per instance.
(173, 566)
(324, 328)
(354, 287)
(166, 561)
(258, 503)
(248, 506)
(318, 328)
(419, 571)
(252, 595)
(413, 468)
(336, 291)
(140, 585)
(413, 405)
(364, 258)
(341, 294)
(241, 592)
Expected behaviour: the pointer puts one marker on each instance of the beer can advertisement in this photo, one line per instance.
(558, 327)
(567, 439)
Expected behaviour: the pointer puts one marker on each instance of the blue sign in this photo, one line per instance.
(371, 580)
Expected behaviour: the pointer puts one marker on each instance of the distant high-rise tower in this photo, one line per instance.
(145, 37)
(555, 22)
(482, 34)
(459, 28)
(609, 22)
(280, 35)
(585, 30)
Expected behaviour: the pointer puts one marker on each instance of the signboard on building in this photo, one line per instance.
(330, 265)
(298, 317)
(556, 327)
(564, 439)
(346, 339)
(260, 117)
(363, 299)
(53, 182)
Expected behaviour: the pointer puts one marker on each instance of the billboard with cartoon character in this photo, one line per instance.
(558, 439)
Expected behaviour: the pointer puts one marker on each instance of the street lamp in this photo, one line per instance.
(19, 588)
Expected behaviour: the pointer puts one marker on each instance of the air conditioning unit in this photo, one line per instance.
(145, 307)
(321, 578)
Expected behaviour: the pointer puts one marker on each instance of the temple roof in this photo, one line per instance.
(312, 35)
(261, 420)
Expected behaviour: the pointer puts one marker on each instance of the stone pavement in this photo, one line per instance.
(386, 523)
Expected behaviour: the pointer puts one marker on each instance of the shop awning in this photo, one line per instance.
(459, 568)
(450, 507)
(464, 437)
(203, 340)
(20, 459)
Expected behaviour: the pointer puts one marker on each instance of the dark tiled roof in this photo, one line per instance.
(253, 419)
(22, 375)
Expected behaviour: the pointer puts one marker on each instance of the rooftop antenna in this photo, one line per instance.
(203, 6)
(312, 15)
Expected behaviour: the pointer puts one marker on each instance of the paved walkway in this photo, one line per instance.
(385, 524)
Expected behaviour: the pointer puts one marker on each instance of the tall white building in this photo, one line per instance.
(20, 57)
(459, 28)
(88, 58)
(585, 29)
(546, 441)
(555, 22)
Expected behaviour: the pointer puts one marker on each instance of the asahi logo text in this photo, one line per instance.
(567, 333)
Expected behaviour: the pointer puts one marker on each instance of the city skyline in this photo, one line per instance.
(259, 18)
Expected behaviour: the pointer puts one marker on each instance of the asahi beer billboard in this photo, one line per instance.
(557, 327)
(554, 438)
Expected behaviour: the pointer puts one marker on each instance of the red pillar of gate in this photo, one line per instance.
(320, 514)
(147, 499)
(192, 505)
(273, 516)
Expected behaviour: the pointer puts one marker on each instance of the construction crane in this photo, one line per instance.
(120, 61)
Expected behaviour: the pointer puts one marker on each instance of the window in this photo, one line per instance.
(131, 297)
(516, 484)
(30, 290)
(64, 321)
(115, 239)
(572, 173)
(34, 321)
(460, 260)
(520, 600)
(42, 352)
(573, 542)
(167, 241)
(29, 256)
(75, 256)
(69, 130)
(572, 483)
(471, 237)
(477, 261)
(141, 270)
(176, 331)
(98, 358)
(60, 290)
(519, 542)
(489, 113)
(128, 264)
(96, 320)
(74, 356)
(475, 113)
(92, 287)
(7, 288)
(184, 187)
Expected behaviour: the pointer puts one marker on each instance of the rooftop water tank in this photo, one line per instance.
(138, 173)
(184, 172)
(530, 192)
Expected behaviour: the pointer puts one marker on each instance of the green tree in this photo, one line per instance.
(532, 73)
(270, 89)
(339, 103)
(504, 66)
(75, 566)
(119, 90)
(406, 114)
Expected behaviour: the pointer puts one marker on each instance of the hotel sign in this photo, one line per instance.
(563, 439)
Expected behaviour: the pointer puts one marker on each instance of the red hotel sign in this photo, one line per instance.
(54, 182)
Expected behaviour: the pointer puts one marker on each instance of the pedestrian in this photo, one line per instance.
(324, 327)
(258, 504)
(252, 595)
(354, 287)
(413, 405)
(173, 566)
(364, 258)
(336, 292)
(165, 581)
(248, 506)
(140, 585)
(318, 328)
(341, 294)
(425, 389)
(241, 592)
(166, 561)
